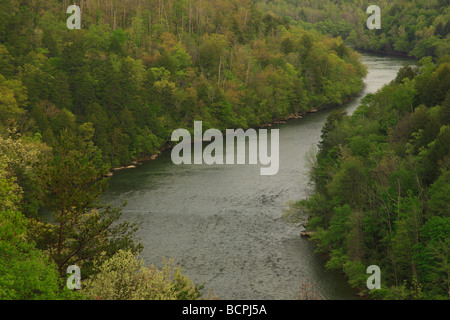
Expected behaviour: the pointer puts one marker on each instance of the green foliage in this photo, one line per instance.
(19, 160)
(433, 257)
(99, 97)
(439, 196)
(26, 273)
(12, 99)
(124, 277)
(382, 180)
(72, 180)
(35, 253)
(419, 28)
(137, 75)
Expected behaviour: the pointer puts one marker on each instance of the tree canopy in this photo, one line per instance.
(382, 178)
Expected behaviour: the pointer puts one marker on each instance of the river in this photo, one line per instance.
(222, 223)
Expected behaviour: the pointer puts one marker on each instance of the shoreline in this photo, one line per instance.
(298, 115)
(292, 116)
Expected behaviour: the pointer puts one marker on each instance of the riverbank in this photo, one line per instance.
(293, 116)
(222, 223)
(348, 218)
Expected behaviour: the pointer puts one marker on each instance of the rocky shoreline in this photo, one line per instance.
(133, 164)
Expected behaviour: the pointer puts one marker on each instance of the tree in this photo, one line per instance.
(19, 163)
(10, 191)
(439, 196)
(406, 237)
(348, 183)
(11, 94)
(124, 277)
(433, 256)
(72, 181)
(403, 96)
(26, 273)
(434, 157)
(335, 117)
(381, 183)
(405, 72)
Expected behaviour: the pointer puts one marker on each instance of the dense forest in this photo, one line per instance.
(418, 28)
(381, 176)
(137, 70)
(381, 187)
(76, 103)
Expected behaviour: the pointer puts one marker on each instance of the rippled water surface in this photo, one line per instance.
(222, 223)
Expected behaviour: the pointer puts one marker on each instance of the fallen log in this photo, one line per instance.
(307, 233)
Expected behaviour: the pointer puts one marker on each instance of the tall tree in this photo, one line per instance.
(72, 181)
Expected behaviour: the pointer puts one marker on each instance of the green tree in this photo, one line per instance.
(125, 277)
(404, 95)
(433, 256)
(73, 180)
(26, 273)
(439, 196)
(12, 99)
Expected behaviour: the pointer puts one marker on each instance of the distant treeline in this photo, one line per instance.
(419, 28)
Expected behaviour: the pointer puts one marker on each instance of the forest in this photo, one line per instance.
(137, 71)
(417, 28)
(76, 103)
(381, 176)
(381, 187)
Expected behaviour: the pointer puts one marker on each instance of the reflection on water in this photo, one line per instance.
(223, 224)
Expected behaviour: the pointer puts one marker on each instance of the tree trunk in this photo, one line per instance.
(248, 71)
(59, 248)
(218, 77)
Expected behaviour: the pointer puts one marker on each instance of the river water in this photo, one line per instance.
(222, 223)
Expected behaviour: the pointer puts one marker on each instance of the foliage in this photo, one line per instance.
(74, 103)
(124, 277)
(26, 273)
(383, 188)
(84, 101)
(419, 28)
(72, 180)
(137, 78)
